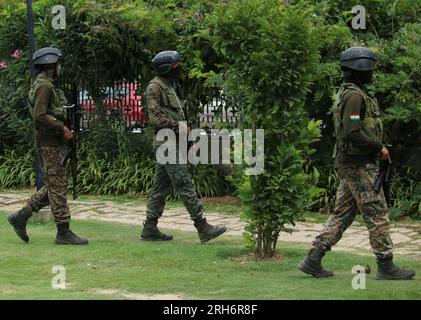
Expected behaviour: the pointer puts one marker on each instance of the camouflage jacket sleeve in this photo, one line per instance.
(353, 115)
(157, 117)
(41, 118)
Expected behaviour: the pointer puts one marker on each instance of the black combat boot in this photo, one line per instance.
(312, 264)
(66, 236)
(151, 232)
(206, 231)
(18, 220)
(387, 270)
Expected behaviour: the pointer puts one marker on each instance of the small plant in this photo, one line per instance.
(270, 53)
(328, 182)
(405, 196)
(16, 170)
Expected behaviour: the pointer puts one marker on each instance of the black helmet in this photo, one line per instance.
(164, 61)
(358, 59)
(46, 55)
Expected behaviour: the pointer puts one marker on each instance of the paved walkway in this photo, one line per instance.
(406, 237)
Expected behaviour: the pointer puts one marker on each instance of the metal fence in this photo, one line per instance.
(123, 102)
(220, 109)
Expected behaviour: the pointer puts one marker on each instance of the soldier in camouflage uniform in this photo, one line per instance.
(46, 104)
(164, 100)
(359, 133)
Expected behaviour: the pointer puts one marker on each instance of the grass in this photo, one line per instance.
(117, 260)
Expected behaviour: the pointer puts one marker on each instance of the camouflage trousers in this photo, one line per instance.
(54, 192)
(169, 177)
(355, 195)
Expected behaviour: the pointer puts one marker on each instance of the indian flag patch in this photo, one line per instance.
(355, 117)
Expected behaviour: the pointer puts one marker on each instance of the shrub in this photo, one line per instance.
(16, 170)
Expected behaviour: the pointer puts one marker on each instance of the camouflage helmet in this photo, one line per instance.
(164, 61)
(46, 55)
(358, 59)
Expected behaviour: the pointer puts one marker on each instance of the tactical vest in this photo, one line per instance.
(371, 122)
(55, 107)
(171, 105)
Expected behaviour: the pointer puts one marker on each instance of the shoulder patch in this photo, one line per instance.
(153, 87)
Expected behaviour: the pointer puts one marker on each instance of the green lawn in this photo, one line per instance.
(117, 260)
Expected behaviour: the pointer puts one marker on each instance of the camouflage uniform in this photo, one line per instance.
(165, 110)
(359, 136)
(355, 194)
(164, 100)
(54, 193)
(46, 104)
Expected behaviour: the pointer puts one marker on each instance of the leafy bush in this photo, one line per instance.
(15, 123)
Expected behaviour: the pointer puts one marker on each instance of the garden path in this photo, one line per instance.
(406, 237)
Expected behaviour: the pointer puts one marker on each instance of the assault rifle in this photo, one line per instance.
(384, 174)
(71, 152)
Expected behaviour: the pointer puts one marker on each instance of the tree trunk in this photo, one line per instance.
(275, 239)
(259, 243)
(267, 239)
(264, 245)
(268, 243)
